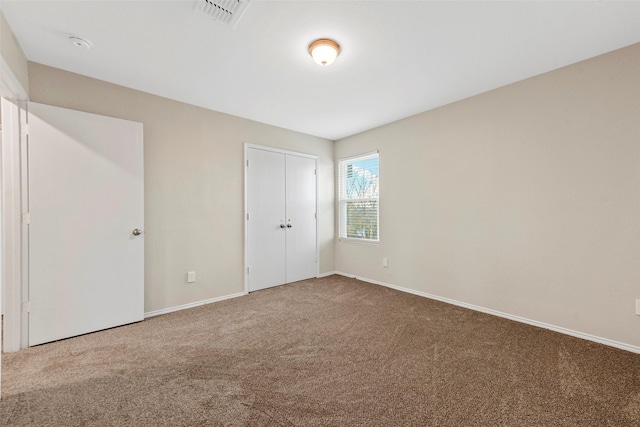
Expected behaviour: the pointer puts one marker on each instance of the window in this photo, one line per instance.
(358, 197)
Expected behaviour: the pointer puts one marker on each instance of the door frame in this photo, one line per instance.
(14, 227)
(11, 89)
(247, 147)
(13, 185)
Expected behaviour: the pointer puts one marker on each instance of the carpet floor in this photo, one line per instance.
(322, 352)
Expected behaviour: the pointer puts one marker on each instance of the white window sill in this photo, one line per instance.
(360, 241)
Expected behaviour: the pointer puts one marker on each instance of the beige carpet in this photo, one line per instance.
(323, 352)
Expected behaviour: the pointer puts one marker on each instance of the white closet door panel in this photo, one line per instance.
(301, 215)
(86, 196)
(266, 209)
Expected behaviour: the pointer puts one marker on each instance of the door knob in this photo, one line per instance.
(289, 225)
(136, 232)
(281, 225)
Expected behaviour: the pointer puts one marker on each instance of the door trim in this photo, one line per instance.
(10, 88)
(14, 237)
(248, 146)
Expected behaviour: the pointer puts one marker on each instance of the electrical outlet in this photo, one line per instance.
(191, 276)
(638, 307)
(385, 262)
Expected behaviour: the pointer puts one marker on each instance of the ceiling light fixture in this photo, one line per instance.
(80, 42)
(324, 51)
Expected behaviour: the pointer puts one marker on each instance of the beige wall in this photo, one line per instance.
(524, 200)
(12, 54)
(194, 183)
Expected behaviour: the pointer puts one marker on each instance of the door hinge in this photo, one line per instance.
(315, 171)
(26, 307)
(247, 163)
(315, 215)
(248, 270)
(26, 218)
(247, 217)
(25, 129)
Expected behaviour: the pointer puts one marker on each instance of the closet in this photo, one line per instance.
(281, 217)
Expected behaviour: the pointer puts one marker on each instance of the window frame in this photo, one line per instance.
(343, 200)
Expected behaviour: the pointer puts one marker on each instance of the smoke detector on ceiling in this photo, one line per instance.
(226, 12)
(80, 42)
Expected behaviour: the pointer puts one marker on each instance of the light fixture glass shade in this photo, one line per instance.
(324, 51)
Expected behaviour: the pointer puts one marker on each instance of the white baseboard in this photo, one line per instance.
(330, 273)
(560, 329)
(191, 305)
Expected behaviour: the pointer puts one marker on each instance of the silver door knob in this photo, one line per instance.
(136, 232)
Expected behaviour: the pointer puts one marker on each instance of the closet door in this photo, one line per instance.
(301, 218)
(266, 245)
(281, 218)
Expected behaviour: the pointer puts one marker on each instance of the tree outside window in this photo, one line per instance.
(359, 197)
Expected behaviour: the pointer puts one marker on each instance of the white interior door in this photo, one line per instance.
(301, 218)
(266, 221)
(86, 198)
(281, 222)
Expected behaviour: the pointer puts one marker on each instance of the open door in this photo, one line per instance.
(86, 214)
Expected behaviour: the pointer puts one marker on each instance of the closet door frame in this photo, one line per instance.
(247, 147)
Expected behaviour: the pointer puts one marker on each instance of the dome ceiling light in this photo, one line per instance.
(324, 51)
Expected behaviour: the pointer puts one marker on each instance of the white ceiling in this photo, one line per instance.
(398, 58)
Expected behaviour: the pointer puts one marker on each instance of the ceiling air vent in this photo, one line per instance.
(227, 12)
